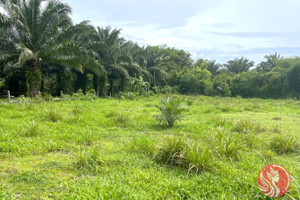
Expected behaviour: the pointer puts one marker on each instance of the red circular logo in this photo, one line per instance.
(274, 180)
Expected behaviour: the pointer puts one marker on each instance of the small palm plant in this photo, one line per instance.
(171, 111)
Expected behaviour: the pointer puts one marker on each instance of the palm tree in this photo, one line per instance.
(239, 65)
(114, 54)
(33, 36)
(272, 61)
(157, 60)
(213, 67)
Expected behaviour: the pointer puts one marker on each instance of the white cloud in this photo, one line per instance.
(217, 30)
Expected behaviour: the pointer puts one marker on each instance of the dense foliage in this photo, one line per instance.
(42, 50)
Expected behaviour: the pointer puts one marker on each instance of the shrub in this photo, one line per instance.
(91, 95)
(171, 111)
(128, 95)
(284, 143)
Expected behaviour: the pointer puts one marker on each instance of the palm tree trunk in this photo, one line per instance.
(154, 80)
(111, 90)
(33, 77)
(103, 81)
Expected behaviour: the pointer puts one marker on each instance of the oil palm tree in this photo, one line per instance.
(33, 34)
(157, 60)
(114, 54)
(239, 65)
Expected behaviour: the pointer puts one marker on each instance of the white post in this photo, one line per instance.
(8, 95)
(61, 93)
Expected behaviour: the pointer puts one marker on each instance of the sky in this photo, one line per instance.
(211, 29)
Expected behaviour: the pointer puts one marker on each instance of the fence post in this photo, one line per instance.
(8, 95)
(61, 94)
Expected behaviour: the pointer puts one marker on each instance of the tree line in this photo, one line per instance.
(42, 50)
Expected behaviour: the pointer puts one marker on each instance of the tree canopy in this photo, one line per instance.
(42, 50)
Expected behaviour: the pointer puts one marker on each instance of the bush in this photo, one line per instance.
(91, 95)
(284, 143)
(128, 95)
(171, 111)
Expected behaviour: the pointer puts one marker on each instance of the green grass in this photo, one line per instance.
(115, 149)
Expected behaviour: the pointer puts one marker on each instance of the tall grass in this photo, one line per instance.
(284, 143)
(226, 144)
(185, 153)
(247, 126)
(90, 159)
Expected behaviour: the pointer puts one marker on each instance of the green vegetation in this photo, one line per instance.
(64, 142)
(114, 148)
(171, 111)
(41, 50)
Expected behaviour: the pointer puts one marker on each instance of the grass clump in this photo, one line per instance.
(90, 159)
(198, 157)
(171, 151)
(179, 151)
(54, 115)
(171, 111)
(226, 145)
(120, 119)
(247, 126)
(143, 144)
(32, 129)
(284, 143)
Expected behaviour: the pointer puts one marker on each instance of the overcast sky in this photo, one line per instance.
(210, 29)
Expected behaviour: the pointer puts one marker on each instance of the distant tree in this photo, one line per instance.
(237, 66)
(294, 78)
(272, 61)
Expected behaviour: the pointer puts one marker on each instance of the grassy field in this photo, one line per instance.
(115, 149)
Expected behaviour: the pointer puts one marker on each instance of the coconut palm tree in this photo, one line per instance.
(34, 34)
(239, 65)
